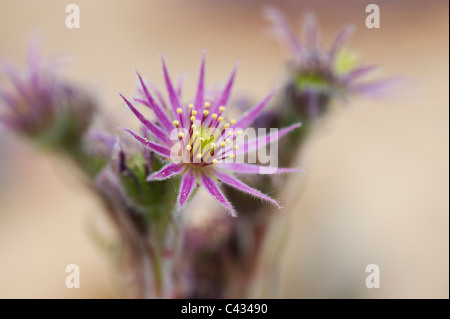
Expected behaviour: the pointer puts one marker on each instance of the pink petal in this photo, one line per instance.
(264, 140)
(151, 103)
(311, 34)
(340, 41)
(166, 172)
(199, 99)
(282, 29)
(244, 168)
(215, 192)
(223, 99)
(358, 72)
(187, 186)
(234, 182)
(155, 130)
(180, 83)
(160, 149)
(253, 113)
(173, 97)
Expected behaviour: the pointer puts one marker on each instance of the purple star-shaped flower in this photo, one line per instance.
(199, 141)
(332, 71)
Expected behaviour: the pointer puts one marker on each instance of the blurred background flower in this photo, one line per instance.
(377, 182)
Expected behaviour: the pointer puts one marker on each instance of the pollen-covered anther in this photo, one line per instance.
(215, 161)
(222, 109)
(236, 147)
(223, 144)
(205, 112)
(230, 133)
(220, 119)
(192, 118)
(191, 106)
(194, 112)
(188, 148)
(214, 116)
(227, 125)
(202, 139)
(239, 132)
(213, 145)
(193, 126)
(181, 134)
(207, 104)
(179, 110)
(228, 141)
(233, 122)
(176, 123)
(232, 155)
(199, 156)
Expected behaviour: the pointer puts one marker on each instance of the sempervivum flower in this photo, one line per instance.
(200, 142)
(41, 106)
(321, 73)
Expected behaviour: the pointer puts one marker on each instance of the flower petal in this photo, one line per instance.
(339, 42)
(381, 88)
(261, 141)
(155, 130)
(215, 192)
(159, 149)
(167, 171)
(252, 114)
(199, 99)
(187, 186)
(311, 35)
(180, 83)
(224, 96)
(234, 182)
(173, 97)
(244, 168)
(151, 103)
(358, 72)
(283, 29)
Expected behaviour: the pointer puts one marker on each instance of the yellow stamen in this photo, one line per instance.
(222, 108)
(236, 147)
(192, 118)
(215, 161)
(228, 141)
(213, 145)
(199, 156)
(202, 139)
(193, 126)
(227, 125)
(194, 112)
(205, 112)
(179, 110)
(230, 133)
(223, 144)
(207, 104)
(220, 119)
(239, 133)
(176, 123)
(191, 106)
(188, 148)
(233, 122)
(232, 155)
(181, 134)
(214, 116)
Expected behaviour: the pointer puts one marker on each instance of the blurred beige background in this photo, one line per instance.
(377, 185)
